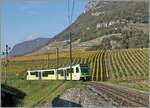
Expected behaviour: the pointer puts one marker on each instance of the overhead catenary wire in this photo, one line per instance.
(68, 8)
(70, 16)
(70, 11)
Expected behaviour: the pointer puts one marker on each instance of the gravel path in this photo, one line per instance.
(83, 97)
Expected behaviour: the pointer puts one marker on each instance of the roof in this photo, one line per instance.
(38, 69)
(42, 68)
(13, 91)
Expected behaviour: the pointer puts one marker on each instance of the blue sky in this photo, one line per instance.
(28, 19)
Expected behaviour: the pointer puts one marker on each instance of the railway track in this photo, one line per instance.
(127, 97)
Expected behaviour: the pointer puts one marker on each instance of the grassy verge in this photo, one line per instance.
(39, 93)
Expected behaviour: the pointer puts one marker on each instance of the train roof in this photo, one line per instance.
(38, 69)
(42, 68)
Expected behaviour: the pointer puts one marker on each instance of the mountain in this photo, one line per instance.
(105, 20)
(101, 17)
(28, 46)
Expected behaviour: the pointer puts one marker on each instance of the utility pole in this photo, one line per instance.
(57, 61)
(70, 16)
(48, 60)
(57, 57)
(70, 38)
(6, 62)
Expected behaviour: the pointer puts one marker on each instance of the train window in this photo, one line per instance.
(34, 73)
(84, 69)
(68, 70)
(77, 70)
(46, 73)
(60, 72)
(67, 73)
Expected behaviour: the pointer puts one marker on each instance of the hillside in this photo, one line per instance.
(100, 18)
(28, 46)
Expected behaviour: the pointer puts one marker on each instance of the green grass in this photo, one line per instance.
(38, 92)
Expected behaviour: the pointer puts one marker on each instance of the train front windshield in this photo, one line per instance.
(84, 69)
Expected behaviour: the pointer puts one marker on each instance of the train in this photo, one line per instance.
(79, 72)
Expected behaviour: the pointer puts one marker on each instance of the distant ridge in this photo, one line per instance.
(28, 46)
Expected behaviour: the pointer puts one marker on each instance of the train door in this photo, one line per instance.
(65, 74)
(76, 73)
(40, 75)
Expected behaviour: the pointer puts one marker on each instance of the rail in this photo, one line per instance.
(129, 97)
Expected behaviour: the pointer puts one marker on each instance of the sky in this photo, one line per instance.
(23, 20)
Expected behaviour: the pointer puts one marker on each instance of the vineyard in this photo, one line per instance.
(123, 64)
(120, 64)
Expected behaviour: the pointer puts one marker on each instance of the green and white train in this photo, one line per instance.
(79, 72)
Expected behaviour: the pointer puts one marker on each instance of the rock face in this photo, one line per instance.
(85, 97)
(93, 5)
